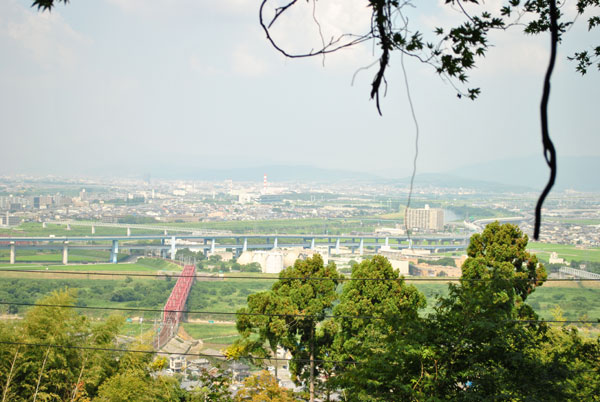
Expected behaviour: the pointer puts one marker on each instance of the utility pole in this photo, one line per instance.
(312, 364)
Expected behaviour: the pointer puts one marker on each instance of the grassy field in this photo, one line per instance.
(396, 216)
(56, 257)
(143, 265)
(36, 229)
(304, 226)
(216, 333)
(568, 252)
(135, 329)
(224, 296)
(576, 300)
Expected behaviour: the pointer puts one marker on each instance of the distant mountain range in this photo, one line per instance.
(442, 180)
(573, 173)
(276, 173)
(527, 174)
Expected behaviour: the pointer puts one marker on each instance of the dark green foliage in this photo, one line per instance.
(251, 267)
(445, 261)
(499, 245)
(143, 293)
(124, 295)
(392, 308)
(136, 219)
(54, 371)
(309, 298)
(591, 266)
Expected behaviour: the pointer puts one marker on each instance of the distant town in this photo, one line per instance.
(337, 208)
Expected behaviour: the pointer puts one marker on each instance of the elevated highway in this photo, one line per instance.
(238, 243)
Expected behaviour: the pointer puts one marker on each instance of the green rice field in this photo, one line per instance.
(568, 252)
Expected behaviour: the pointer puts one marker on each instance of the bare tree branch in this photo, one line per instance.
(10, 373)
(549, 151)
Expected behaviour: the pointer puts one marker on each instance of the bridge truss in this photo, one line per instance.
(172, 312)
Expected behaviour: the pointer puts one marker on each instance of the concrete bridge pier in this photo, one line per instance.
(212, 246)
(245, 247)
(114, 252)
(361, 247)
(275, 244)
(43, 225)
(163, 253)
(337, 246)
(387, 241)
(312, 244)
(65, 253)
(173, 248)
(93, 229)
(12, 252)
(128, 231)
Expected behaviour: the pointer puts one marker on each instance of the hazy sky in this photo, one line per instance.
(141, 85)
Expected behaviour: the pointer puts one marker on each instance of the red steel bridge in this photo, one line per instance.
(171, 316)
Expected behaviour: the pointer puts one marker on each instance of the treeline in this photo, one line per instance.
(590, 266)
(444, 261)
(137, 219)
(132, 292)
(369, 343)
(215, 263)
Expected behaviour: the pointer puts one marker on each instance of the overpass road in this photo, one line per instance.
(237, 243)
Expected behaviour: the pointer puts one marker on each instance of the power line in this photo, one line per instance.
(51, 345)
(156, 310)
(342, 279)
(563, 321)
(145, 310)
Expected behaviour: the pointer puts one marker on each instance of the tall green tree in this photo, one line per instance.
(372, 315)
(488, 343)
(261, 324)
(309, 289)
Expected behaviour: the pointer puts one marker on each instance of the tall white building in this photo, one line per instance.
(424, 218)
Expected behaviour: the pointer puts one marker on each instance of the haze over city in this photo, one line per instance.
(128, 88)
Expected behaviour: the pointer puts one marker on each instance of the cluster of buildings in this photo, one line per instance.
(172, 201)
(30, 199)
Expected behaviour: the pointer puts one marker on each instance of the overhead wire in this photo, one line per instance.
(155, 310)
(204, 355)
(217, 356)
(302, 278)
